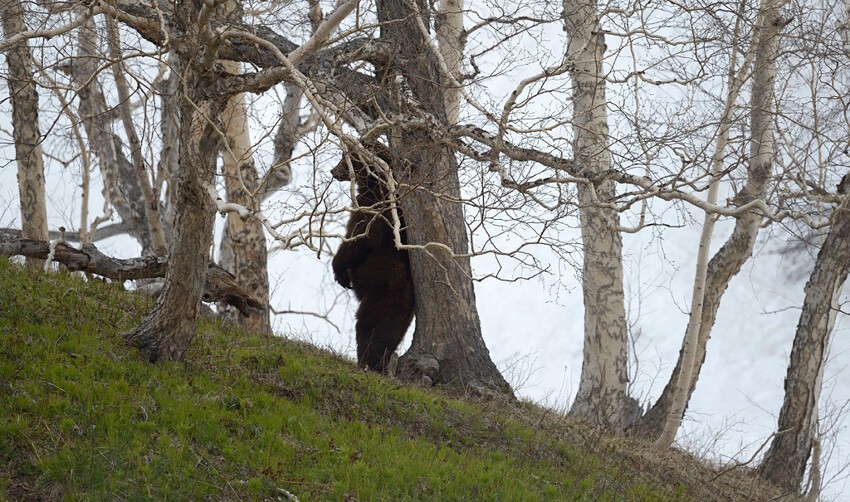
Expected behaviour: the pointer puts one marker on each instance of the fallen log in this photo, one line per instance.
(221, 285)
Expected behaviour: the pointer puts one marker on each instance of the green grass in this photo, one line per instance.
(84, 417)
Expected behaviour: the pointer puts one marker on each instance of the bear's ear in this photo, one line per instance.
(378, 149)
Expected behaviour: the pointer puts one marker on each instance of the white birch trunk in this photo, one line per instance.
(245, 239)
(602, 397)
(450, 38)
(689, 350)
(785, 461)
(243, 244)
(711, 281)
(27, 136)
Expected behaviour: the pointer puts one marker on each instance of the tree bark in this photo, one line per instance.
(121, 184)
(245, 240)
(602, 397)
(150, 198)
(243, 249)
(27, 136)
(169, 156)
(785, 462)
(165, 334)
(448, 347)
(450, 36)
(738, 248)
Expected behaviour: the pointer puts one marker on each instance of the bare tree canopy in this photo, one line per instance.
(560, 142)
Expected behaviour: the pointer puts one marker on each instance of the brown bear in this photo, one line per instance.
(369, 262)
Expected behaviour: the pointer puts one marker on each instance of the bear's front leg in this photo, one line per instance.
(347, 257)
(342, 276)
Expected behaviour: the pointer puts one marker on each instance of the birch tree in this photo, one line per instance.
(243, 246)
(786, 459)
(450, 38)
(166, 332)
(602, 395)
(149, 198)
(121, 181)
(792, 460)
(244, 238)
(575, 138)
(712, 277)
(27, 136)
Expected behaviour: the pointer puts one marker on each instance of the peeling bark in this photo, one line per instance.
(602, 397)
(243, 244)
(785, 462)
(26, 134)
(451, 39)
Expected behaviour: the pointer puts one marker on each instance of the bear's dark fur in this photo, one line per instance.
(369, 262)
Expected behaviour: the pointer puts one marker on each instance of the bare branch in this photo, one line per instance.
(220, 285)
(54, 32)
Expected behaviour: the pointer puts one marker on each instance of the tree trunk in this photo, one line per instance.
(245, 239)
(26, 133)
(121, 184)
(166, 332)
(448, 346)
(785, 462)
(451, 37)
(602, 397)
(150, 198)
(722, 267)
(287, 136)
(243, 244)
(169, 156)
(739, 247)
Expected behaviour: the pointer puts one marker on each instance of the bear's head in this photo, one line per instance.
(342, 172)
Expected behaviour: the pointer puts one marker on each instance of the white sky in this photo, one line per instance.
(535, 327)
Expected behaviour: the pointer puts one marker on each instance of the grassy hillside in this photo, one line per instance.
(247, 417)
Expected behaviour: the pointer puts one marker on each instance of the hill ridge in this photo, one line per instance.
(250, 417)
